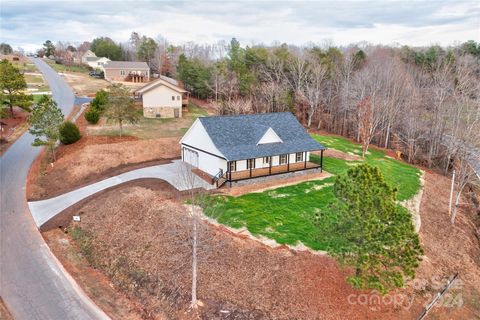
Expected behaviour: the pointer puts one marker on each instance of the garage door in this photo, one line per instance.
(190, 156)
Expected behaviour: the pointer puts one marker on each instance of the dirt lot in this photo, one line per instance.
(83, 84)
(94, 158)
(139, 237)
(13, 129)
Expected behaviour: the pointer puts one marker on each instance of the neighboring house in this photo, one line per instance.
(162, 98)
(233, 148)
(96, 62)
(88, 54)
(127, 71)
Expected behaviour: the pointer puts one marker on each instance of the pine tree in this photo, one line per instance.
(382, 244)
(45, 122)
(13, 85)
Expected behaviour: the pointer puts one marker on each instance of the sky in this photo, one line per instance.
(28, 24)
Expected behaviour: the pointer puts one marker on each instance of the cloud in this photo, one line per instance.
(29, 23)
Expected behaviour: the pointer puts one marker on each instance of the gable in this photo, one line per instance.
(159, 84)
(199, 138)
(270, 136)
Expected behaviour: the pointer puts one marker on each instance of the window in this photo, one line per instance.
(173, 98)
(283, 159)
(266, 160)
(250, 164)
(299, 157)
(178, 97)
(122, 72)
(233, 166)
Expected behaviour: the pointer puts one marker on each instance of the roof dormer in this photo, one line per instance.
(270, 136)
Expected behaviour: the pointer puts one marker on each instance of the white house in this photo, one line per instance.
(88, 54)
(233, 148)
(91, 59)
(97, 62)
(162, 98)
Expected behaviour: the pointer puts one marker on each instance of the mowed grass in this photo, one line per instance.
(400, 175)
(302, 212)
(63, 68)
(151, 128)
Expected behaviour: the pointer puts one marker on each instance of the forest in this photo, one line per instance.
(422, 102)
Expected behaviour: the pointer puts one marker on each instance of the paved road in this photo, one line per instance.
(33, 284)
(44, 210)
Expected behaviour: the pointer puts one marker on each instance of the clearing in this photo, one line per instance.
(287, 214)
(83, 84)
(150, 128)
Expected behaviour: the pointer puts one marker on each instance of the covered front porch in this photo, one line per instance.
(267, 166)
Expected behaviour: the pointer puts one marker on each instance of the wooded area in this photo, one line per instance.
(421, 102)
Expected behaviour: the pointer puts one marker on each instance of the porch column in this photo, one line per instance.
(321, 161)
(288, 162)
(305, 160)
(270, 166)
(250, 166)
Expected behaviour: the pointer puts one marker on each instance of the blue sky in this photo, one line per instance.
(28, 24)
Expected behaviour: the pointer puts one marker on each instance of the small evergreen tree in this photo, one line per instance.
(69, 133)
(100, 100)
(382, 244)
(92, 115)
(45, 122)
(121, 107)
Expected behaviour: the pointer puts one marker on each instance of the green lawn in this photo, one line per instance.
(151, 128)
(286, 214)
(63, 68)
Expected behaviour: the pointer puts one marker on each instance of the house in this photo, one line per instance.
(234, 148)
(96, 62)
(133, 71)
(162, 98)
(88, 54)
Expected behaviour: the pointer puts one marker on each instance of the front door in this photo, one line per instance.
(176, 113)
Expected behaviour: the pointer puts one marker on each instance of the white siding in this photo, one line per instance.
(270, 136)
(161, 96)
(204, 161)
(198, 138)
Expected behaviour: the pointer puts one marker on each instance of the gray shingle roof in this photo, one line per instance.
(237, 136)
(126, 65)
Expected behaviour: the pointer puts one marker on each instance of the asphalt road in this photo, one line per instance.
(33, 284)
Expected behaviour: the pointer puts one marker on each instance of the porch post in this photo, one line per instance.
(321, 161)
(251, 166)
(270, 166)
(288, 162)
(305, 160)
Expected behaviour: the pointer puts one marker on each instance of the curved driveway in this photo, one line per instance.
(33, 284)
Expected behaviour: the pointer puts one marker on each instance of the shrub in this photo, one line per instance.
(100, 100)
(92, 115)
(69, 133)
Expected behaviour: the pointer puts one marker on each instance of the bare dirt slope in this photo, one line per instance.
(95, 158)
(140, 238)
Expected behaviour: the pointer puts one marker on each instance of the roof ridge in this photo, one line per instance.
(247, 114)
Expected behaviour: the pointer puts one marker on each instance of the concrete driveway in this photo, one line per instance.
(177, 173)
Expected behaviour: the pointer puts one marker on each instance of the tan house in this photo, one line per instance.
(162, 98)
(133, 71)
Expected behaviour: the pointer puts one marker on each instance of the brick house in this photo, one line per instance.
(132, 71)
